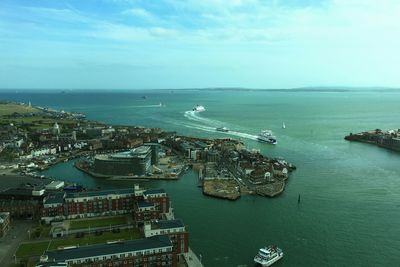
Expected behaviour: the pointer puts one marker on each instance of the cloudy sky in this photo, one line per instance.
(139, 44)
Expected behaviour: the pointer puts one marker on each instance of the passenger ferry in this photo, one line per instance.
(198, 108)
(268, 255)
(267, 136)
(222, 129)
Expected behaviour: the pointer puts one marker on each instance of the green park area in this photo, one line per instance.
(10, 108)
(30, 249)
(30, 122)
(92, 223)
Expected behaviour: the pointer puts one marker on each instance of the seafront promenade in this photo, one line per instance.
(192, 260)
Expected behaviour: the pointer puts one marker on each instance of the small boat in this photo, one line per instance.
(283, 125)
(222, 129)
(268, 255)
(267, 137)
(198, 108)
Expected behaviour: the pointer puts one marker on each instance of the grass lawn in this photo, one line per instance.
(9, 108)
(31, 249)
(37, 248)
(81, 224)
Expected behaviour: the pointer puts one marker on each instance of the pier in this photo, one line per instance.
(192, 260)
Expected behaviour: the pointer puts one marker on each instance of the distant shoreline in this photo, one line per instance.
(219, 89)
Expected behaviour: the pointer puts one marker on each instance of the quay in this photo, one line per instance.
(192, 260)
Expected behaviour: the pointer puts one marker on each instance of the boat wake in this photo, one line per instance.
(209, 125)
(149, 106)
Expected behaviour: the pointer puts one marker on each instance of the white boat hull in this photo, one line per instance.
(267, 141)
(264, 263)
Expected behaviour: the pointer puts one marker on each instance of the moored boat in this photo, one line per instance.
(268, 255)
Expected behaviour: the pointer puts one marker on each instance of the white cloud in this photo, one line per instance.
(142, 14)
(122, 32)
(337, 42)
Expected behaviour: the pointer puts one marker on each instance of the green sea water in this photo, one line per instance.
(349, 213)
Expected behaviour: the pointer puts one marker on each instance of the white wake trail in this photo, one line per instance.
(209, 125)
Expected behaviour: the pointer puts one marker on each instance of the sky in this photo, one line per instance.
(143, 44)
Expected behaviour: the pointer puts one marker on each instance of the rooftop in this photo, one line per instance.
(143, 204)
(51, 264)
(154, 192)
(107, 249)
(168, 224)
(100, 193)
(55, 184)
(139, 152)
(55, 198)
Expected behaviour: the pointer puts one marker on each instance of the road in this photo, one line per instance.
(10, 242)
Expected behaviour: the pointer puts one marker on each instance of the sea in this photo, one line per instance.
(349, 214)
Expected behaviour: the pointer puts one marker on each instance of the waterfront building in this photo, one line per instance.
(4, 223)
(133, 162)
(145, 211)
(280, 170)
(55, 185)
(259, 176)
(176, 231)
(154, 251)
(144, 204)
(390, 142)
(159, 197)
(155, 148)
(22, 202)
(53, 207)
(151, 205)
(60, 205)
(99, 203)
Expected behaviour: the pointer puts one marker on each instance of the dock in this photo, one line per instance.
(192, 260)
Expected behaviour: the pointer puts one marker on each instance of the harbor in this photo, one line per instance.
(347, 188)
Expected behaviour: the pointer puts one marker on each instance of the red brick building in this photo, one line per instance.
(176, 231)
(154, 251)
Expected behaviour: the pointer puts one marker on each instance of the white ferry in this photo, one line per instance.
(268, 255)
(198, 108)
(267, 136)
(222, 129)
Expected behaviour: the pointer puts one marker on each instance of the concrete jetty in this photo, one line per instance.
(192, 260)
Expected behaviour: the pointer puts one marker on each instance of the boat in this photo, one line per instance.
(222, 129)
(268, 255)
(267, 136)
(198, 108)
(283, 125)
